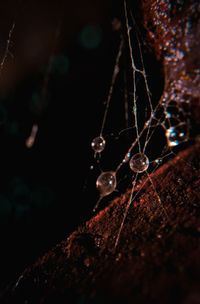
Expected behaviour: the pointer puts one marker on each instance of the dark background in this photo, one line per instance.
(49, 189)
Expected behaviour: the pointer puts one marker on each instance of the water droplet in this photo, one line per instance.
(98, 240)
(179, 180)
(177, 135)
(17, 283)
(139, 162)
(148, 123)
(106, 183)
(127, 157)
(98, 144)
(158, 160)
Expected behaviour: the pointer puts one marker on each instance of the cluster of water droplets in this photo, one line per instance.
(177, 134)
(176, 128)
(169, 114)
(106, 182)
(176, 123)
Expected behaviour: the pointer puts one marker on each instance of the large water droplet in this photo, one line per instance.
(139, 162)
(106, 183)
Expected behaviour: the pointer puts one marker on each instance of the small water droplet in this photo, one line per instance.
(98, 144)
(158, 160)
(179, 180)
(177, 135)
(98, 240)
(127, 157)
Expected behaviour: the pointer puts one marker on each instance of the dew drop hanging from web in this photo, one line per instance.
(139, 163)
(106, 183)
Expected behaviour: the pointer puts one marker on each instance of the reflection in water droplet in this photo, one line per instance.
(139, 162)
(158, 161)
(98, 240)
(106, 183)
(177, 135)
(127, 157)
(98, 144)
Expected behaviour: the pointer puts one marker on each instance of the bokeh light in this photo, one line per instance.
(90, 37)
(60, 65)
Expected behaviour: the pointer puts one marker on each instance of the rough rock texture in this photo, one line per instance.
(173, 31)
(157, 258)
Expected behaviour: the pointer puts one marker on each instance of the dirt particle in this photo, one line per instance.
(118, 257)
(87, 262)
